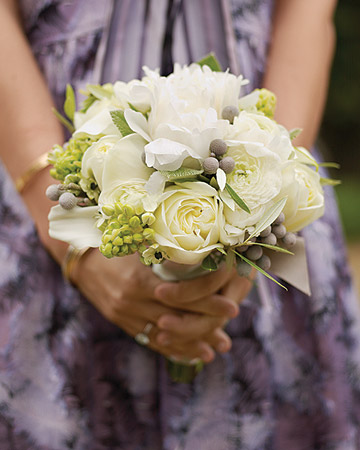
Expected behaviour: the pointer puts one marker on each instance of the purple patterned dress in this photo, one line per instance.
(71, 380)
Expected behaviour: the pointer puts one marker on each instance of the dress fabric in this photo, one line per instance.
(71, 380)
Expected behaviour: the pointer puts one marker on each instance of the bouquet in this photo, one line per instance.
(184, 169)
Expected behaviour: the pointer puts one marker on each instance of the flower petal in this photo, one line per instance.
(76, 226)
(137, 123)
(124, 162)
(221, 179)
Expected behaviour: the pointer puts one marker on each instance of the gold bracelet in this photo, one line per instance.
(37, 166)
(71, 260)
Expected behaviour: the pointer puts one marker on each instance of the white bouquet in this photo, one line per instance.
(182, 168)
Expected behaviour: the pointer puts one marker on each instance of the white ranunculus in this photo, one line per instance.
(93, 161)
(188, 222)
(258, 131)
(305, 197)
(256, 179)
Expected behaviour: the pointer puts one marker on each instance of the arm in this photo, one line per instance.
(27, 127)
(299, 63)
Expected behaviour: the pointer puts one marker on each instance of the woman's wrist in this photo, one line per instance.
(39, 206)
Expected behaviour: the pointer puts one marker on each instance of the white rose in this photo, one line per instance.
(125, 174)
(92, 164)
(188, 222)
(305, 197)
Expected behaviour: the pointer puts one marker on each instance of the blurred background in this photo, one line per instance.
(340, 132)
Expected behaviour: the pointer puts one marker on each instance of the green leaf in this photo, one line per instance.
(306, 158)
(214, 183)
(204, 179)
(221, 250)
(70, 104)
(180, 174)
(252, 264)
(211, 61)
(331, 165)
(295, 133)
(274, 247)
(268, 218)
(87, 103)
(98, 91)
(329, 182)
(230, 260)
(209, 264)
(63, 120)
(237, 199)
(119, 120)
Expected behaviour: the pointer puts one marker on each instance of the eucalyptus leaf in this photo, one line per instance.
(180, 174)
(268, 218)
(237, 199)
(211, 61)
(120, 122)
(64, 121)
(252, 264)
(98, 91)
(329, 182)
(209, 264)
(70, 104)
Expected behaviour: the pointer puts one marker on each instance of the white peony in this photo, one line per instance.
(188, 222)
(185, 114)
(305, 197)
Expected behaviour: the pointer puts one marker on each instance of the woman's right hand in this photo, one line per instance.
(124, 291)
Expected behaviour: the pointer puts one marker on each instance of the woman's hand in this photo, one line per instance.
(200, 295)
(129, 295)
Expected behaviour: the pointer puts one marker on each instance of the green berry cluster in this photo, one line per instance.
(67, 160)
(266, 102)
(125, 232)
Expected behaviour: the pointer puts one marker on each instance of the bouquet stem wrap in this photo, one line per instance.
(185, 370)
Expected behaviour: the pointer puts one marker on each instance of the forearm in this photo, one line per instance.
(299, 63)
(27, 126)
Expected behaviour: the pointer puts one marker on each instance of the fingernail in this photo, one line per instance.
(168, 322)
(161, 291)
(223, 347)
(234, 311)
(207, 356)
(163, 339)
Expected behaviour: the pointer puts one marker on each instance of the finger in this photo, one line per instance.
(237, 289)
(218, 340)
(216, 305)
(183, 292)
(195, 349)
(188, 327)
(174, 347)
